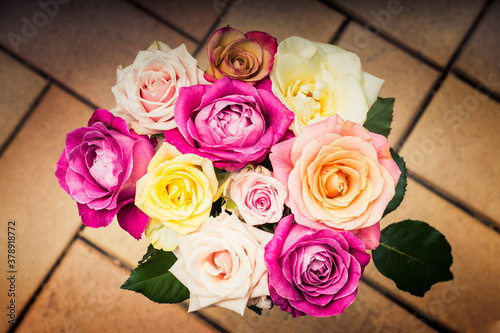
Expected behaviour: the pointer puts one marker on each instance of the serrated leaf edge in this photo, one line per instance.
(402, 177)
(371, 116)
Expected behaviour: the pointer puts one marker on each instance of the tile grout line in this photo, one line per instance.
(425, 318)
(340, 31)
(420, 112)
(118, 262)
(51, 81)
(206, 319)
(408, 50)
(432, 92)
(78, 236)
(214, 25)
(454, 202)
(473, 83)
(25, 117)
(160, 19)
(437, 85)
(198, 49)
(448, 70)
(414, 311)
(48, 77)
(88, 103)
(469, 81)
(44, 282)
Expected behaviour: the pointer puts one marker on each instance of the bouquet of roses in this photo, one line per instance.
(261, 181)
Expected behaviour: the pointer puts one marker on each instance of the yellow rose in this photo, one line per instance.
(177, 193)
(317, 80)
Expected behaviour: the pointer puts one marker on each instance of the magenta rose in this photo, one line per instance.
(99, 168)
(230, 122)
(313, 272)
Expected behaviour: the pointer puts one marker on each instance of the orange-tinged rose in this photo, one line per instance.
(339, 175)
(246, 57)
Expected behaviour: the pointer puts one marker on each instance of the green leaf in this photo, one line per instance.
(266, 163)
(160, 137)
(401, 185)
(217, 207)
(153, 280)
(230, 205)
(222, 175)
(268, 227)
(414, 255)
(255, 309)
(379, 117)
(148, 254)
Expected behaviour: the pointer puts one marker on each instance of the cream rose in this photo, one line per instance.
(258, 196)
(177, 192)
(317, 80)
(223, 264)
(146, 91)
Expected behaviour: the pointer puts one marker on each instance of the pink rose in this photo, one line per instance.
(259, 197)
(230, 122)
(147, 90)
(339, 175)
(245, 57)
(223, 264)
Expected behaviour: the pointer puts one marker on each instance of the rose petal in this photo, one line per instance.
(370, 236)
(96, 218)
(350, 100)
(132, 219)
(61, 168)
(371, 86)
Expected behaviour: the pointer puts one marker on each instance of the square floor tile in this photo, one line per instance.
(281, 19)
(433, 28)
(454, 146)
(370, 312)
(406, 78)
(194, 17)
(84, 42)
(19, 88)
(117, 242)
(468, 303)
(84, 295)
(479, 59)
(46, 217)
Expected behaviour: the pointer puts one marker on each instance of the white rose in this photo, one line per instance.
(317, 80)
(146, 91)
(222, 264)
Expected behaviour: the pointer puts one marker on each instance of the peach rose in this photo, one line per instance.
(339, 175)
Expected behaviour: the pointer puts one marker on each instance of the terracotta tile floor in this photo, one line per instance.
(439, 59)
